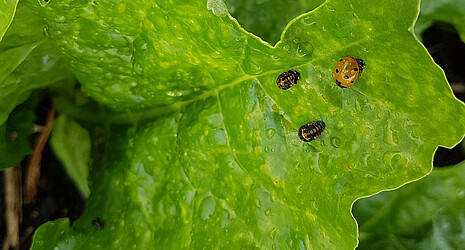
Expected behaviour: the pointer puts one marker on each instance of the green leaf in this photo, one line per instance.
(224, 166)
(449, 11)
(428, 214)
(267, 19)
(71, 144)
(14, 134)
(27, 61)
(7, 12)
(50, 232)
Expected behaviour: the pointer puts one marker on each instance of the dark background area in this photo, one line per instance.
(58, 197)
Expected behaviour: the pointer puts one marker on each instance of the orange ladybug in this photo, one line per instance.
(347, 71)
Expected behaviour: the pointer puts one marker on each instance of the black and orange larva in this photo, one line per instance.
(288, 79)
(311, 131)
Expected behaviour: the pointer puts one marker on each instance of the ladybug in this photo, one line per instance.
(347, 71)
(288, 79)
(311, 131)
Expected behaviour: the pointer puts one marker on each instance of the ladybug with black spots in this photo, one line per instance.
(311, 131)
(288, 79)
(347, 71)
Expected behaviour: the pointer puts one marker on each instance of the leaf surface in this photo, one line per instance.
(223, 167)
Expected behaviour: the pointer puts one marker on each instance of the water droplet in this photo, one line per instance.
(268, 212)
(218, 7)
(274, 58)
(250, 67)
(390, 136)
(258, 202)
(335, 141)
(208, 207)
(413, 137)
(216, 55)
(330, 8)
(373, 145)
(138, 69)
(46, 31)
(267, 149)
(308, 20)
(361, 103)
(339, 125)
(314, 205)
(298, 189)
(44, 3)
(270, 133)
(395, 159)
(287, 48)
(364, 159)
(273, 233)
(304, 49)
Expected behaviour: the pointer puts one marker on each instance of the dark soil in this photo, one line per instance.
(58, 197)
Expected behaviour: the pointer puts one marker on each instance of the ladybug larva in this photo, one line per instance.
(311, 131)
(288, 79)
(347, 71)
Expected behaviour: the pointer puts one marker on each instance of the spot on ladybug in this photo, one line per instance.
(347, 71)
(288, 79)
(311, 131)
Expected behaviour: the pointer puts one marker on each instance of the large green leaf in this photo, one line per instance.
(428, 214)
(449, 11)
(28, 61)
(225, 168)
(7, 11)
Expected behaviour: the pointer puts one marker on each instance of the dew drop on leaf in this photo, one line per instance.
(208, 207)
(270, 133)
(335, 142)
(251, 68)
(44, 3)
(339, 125)
(218, 7)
